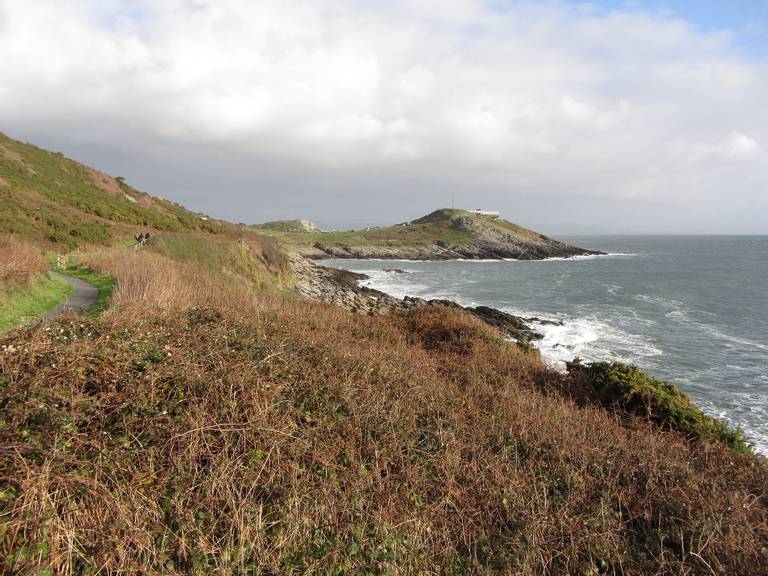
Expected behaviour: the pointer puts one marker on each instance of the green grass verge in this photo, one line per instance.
(104, 282)
(20, 304)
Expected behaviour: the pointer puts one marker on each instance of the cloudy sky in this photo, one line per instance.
(566, 116)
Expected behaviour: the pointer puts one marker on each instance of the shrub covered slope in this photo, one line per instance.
(209, 421)
(302, 439)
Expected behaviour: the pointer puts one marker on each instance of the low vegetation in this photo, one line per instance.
(32, 300)
(209, 421)
(20, 261)
(302, 439)
(627, 389)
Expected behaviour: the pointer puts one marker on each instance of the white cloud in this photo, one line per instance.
(562, 101)
(741, 145)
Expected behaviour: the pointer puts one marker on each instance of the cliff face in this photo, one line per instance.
(456, 234)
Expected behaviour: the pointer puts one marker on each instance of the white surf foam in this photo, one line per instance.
(591, 339)
(680, 312)
(577, 257)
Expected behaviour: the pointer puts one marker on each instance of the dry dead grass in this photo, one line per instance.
(19, 260)
(308, 440)
(149, 281)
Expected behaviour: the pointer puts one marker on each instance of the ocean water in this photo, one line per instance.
(692, 310)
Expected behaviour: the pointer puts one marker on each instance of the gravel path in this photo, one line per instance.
(84, 296)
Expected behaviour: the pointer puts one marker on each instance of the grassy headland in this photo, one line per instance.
(210, 421)
(443, 234)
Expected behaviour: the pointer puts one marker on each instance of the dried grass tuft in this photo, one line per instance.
(19, 260)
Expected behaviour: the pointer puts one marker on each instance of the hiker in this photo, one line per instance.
(140, 239)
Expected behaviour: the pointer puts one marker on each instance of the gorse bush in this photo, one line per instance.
(448, 330)
(627, 388)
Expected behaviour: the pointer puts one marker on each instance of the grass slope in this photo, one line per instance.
(61, 206)
(23, 303)
(415, 234)
(282, 226)
(45, 196)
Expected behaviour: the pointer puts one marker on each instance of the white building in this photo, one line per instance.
(491, 213)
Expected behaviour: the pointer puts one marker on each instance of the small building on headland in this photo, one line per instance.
(491, 213)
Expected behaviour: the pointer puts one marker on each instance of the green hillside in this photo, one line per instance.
(45, 196)
(422, 232)
(286, 226)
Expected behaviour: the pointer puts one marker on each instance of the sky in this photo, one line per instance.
(569, 117)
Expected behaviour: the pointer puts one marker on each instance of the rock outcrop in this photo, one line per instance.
(342, 288)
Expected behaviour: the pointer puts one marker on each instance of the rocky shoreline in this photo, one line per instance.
(342, 288)
(438, 252)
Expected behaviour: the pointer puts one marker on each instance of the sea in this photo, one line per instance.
(691, 310)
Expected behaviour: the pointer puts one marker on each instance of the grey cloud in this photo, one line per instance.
(361, 114)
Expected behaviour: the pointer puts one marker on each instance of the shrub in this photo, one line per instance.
(447, 330)
(617, 385)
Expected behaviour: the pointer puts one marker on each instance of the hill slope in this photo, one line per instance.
(55, 205)
(287, 226)
(444, 234)
(45, 196)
